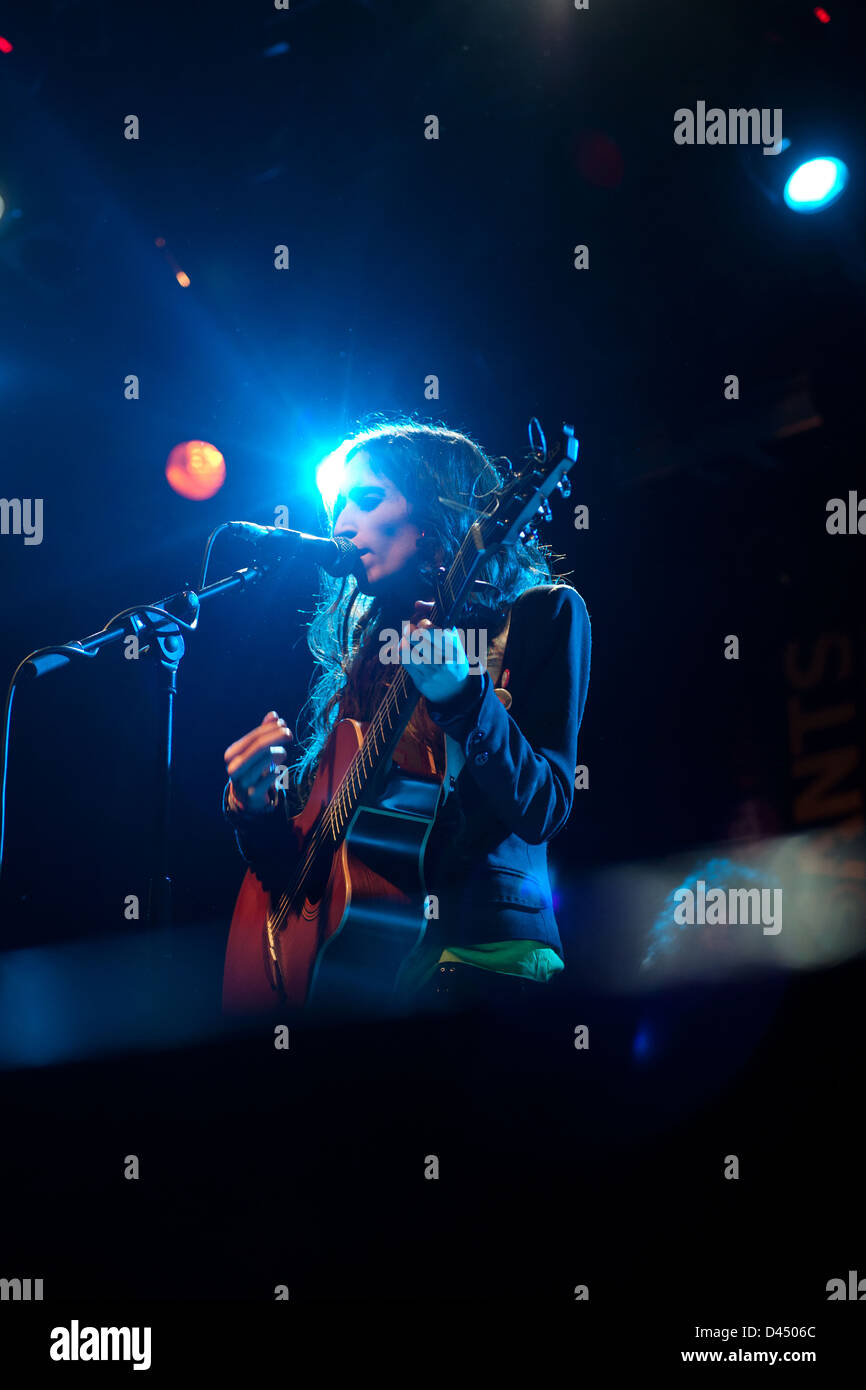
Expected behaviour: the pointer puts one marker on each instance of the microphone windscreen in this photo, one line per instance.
(348, 558)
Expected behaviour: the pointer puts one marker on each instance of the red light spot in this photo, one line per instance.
(195, 469)
(5, 46)
(821, 15)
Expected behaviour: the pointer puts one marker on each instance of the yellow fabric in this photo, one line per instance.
(531, 959)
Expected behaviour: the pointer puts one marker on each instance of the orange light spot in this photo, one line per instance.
(182, 278)
(195, 469)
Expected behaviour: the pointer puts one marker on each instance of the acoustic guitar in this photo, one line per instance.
(353, 907)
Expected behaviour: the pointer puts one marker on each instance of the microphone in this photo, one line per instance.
(338, 556)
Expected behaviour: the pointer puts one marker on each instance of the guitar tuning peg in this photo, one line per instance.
(544, 511)
(564, 486)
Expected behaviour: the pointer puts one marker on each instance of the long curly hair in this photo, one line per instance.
(431, 465)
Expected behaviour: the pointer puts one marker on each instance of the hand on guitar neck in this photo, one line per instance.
(434, 658)
(251, 764)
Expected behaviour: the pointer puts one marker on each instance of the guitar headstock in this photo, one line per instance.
(525, 495)
(508, 518)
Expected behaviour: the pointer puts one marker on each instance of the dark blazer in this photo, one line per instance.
(486, 858)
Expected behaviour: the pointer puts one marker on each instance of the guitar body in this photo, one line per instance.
(341, 947)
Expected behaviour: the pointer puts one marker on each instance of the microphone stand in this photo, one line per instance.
(162, 624)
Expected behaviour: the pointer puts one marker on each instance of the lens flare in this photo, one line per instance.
(195, 469)
(329, 474)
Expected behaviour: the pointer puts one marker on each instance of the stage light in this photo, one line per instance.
(5, 46)
(816, 184)
(195, 469)
(821, 15)
(329, 474)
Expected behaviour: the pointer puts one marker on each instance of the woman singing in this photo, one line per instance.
(408, 495)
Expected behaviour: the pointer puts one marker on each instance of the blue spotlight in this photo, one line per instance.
(815, 184)
(329, 474)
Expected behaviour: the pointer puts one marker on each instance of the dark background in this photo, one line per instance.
(453, 257)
